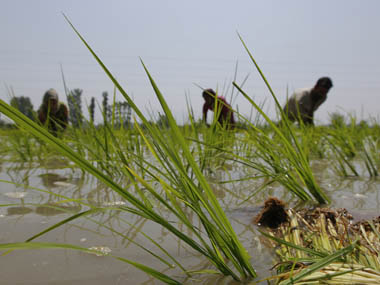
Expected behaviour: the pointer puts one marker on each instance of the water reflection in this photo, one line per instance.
(19, 174)
(16, 194)
(58, 162)
(52, 209)
(20, 210)
(49, 179)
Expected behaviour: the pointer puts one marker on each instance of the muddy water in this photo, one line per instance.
(27, 212)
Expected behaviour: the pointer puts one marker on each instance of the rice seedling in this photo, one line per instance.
(341, 161)
(161, 171)
(371, 157)
(215, 239)
(297, 167)
(350, 144)
(343, 145)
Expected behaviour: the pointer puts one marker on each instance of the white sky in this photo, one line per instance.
(185, 42)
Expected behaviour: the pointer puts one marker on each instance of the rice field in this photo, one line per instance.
(172, 204)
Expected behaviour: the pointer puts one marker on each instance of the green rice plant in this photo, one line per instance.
(210, 142)
(313, 141)
(179, 176)
(145, 209)
(351, 143)
(371, 156)
(340, 160)
(22, 146)
(297, 172)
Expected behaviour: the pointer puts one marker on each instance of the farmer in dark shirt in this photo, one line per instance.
(304, 102)
(225, 115)
(52, 113)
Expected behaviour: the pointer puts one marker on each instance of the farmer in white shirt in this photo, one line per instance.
(304, 102)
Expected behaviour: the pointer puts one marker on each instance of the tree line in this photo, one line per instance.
(119, 112)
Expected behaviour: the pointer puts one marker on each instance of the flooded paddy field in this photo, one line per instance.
(155, 204)
(152, 148)
(55, 187)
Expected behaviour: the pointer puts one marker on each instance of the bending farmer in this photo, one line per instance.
(52, 113)
(304, 102)
(225, 115)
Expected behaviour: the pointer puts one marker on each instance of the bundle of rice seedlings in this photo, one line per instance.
(335, 273)
(323, 246)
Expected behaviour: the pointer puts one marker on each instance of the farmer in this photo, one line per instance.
(52, 113)
(304, 102)
(225, 115)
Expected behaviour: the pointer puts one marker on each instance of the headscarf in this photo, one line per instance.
(50, 94)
